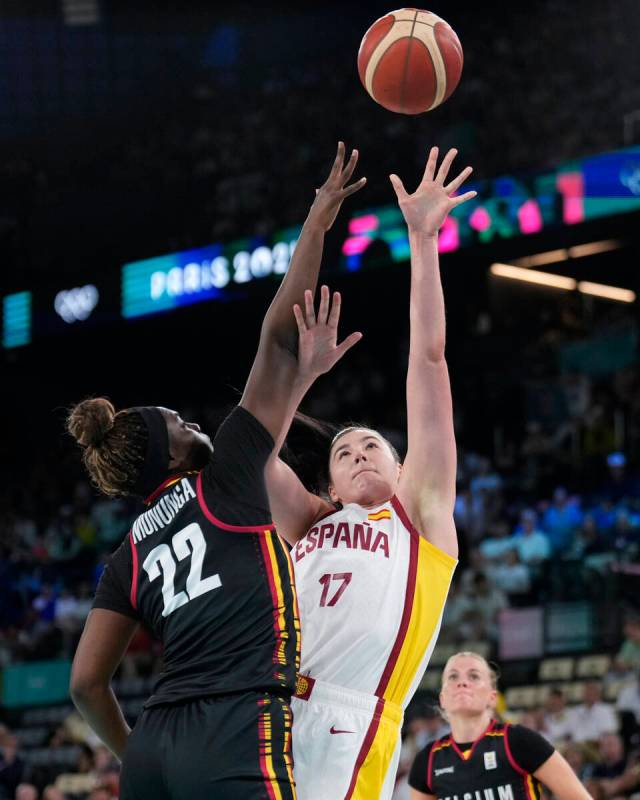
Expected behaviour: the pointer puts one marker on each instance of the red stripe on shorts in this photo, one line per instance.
(366, 746)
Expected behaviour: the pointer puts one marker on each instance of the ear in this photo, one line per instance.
(493, 697)
(332, 494)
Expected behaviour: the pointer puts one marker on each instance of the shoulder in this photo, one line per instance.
(419, 777)
(426, 534)
(527, 749)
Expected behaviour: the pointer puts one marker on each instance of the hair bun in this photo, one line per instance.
(90, 421)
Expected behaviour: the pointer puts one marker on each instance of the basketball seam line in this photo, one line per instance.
(406, 62)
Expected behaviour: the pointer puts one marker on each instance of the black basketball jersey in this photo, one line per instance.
(485, 769)
(205, 570)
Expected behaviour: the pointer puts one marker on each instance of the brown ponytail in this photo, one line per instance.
(114, 444)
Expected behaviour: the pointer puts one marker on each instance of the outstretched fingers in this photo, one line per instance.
(297, 313)
(347, 172)
(348, 343)
(457, 182)
(462, 198)
(355, 187)
(430, 169)
(323, 310)
(309, 313)
(447, 161)
(338, 162)
(398, 187)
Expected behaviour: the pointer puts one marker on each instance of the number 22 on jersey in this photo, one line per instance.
(162, 559)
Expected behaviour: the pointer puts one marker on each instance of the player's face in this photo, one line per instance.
(189, 448)
(362, 469)
(466, 687)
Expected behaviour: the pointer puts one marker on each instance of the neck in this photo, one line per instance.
(468, 729)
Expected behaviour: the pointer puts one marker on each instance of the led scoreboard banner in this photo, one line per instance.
(209, 273)
(505, 208)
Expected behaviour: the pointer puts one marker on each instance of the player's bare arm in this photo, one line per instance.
(279, 339)
(275, 387)
(556, 774)
(428, 479)
(295, 509)
(104, 642)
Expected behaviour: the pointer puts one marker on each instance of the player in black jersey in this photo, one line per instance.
(483, 759)
(203, 567)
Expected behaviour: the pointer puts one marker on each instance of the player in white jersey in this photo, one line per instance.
(373, 565)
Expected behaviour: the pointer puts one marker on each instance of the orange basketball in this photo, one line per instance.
(410, 61)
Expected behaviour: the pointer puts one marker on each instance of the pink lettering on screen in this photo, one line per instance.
(449, 238)
(356, 245)
(530, 217)
(571, 187)
(480, 220)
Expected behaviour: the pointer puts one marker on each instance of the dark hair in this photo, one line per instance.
(308, 448)
(114, 444)
(354, 426)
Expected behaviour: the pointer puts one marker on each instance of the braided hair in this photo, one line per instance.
(114, 444)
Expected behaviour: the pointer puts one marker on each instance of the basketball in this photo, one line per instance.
(410, 61)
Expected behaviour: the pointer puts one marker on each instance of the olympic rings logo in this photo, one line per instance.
(75, 305)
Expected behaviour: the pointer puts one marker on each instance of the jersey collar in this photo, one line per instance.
(170, 481)
(473, 746)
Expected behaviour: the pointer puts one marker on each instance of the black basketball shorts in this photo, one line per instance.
(232, 747)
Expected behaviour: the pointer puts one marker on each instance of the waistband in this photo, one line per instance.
(324, 692)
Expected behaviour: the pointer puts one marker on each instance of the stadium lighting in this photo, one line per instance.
(562, 282)
(533, 276)
(564, 254)
(593, 248)
(609, 292)
(537, 260)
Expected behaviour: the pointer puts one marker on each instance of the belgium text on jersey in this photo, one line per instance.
(504, 792)
(163, 512)
(345, 535)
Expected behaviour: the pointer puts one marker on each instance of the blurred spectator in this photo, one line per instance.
(52, 793)
(592, 718)
(26, 791)
(497, 543)
(12, 766)
(561, 519)
(579, 760)
(619, 486)
(629, 654)
(558, 721)
(614, 761)
(531, 543)
(45, 604)
(512, 577)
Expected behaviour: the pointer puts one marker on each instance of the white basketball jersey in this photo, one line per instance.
(371, 592)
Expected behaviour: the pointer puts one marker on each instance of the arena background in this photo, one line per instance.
(196, 135)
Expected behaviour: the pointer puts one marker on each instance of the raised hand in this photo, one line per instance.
(334, 190)
(318, 349)
(427, 208)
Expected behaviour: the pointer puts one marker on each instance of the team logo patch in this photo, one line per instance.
(490, 761)
(442, 771)
(304, 685)
(382, 514)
